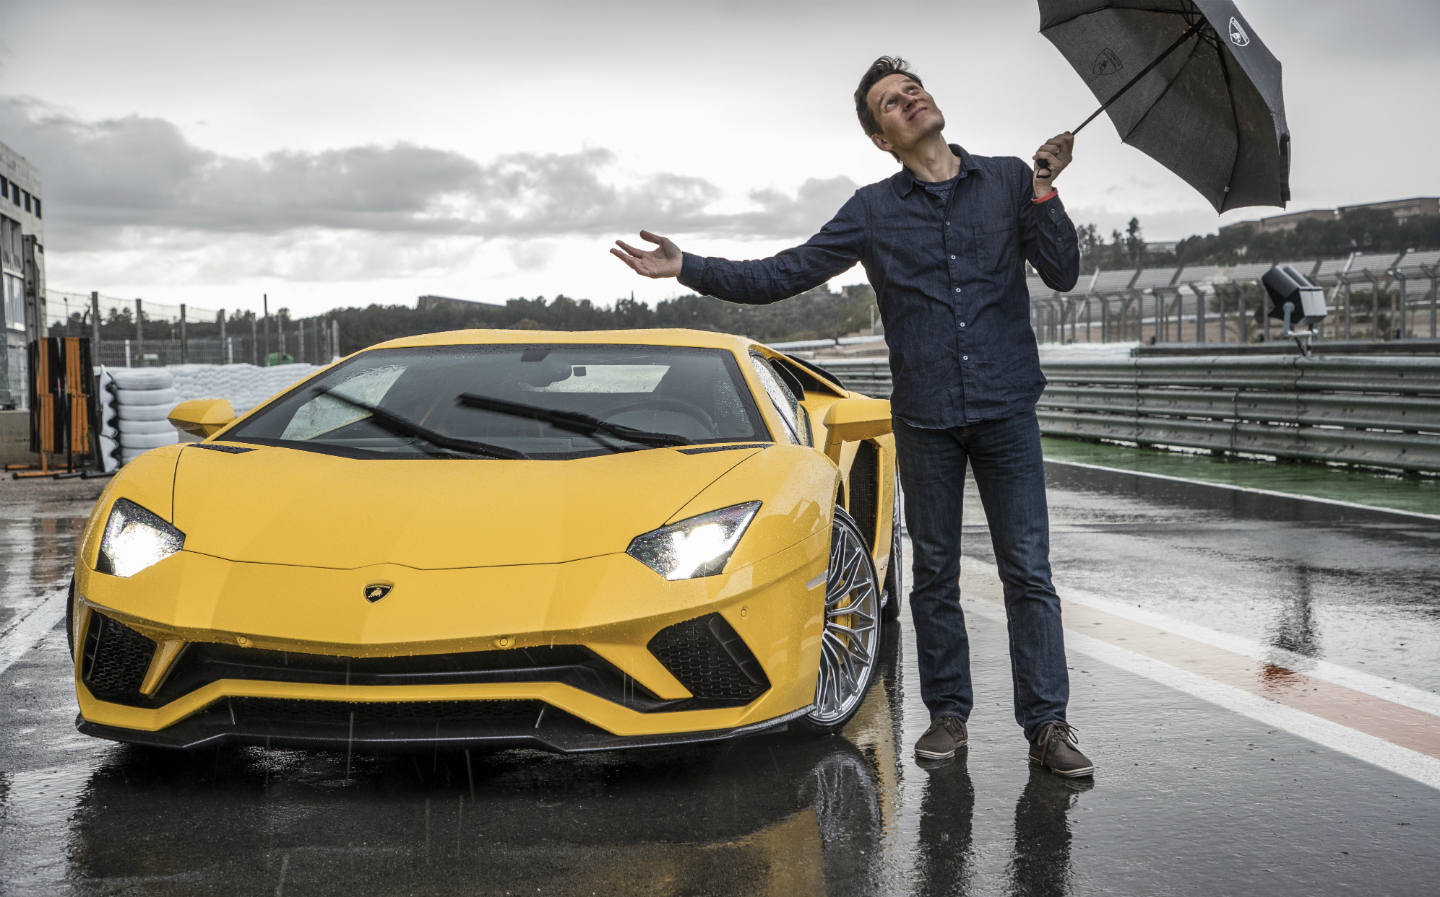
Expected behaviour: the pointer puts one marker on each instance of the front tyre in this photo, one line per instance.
(849, 649)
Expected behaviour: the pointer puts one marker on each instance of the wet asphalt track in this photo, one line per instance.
(1190, 798)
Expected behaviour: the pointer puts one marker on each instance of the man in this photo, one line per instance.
(944, 242)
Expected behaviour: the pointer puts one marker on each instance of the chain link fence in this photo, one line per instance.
(132, 333)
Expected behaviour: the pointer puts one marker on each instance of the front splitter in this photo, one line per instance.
(556, 731)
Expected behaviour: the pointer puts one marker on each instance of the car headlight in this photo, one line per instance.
(135, 539)
(697, 546)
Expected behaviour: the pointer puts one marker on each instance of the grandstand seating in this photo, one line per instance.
(1149, 278)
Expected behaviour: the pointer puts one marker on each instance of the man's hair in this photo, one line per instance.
(880, 69)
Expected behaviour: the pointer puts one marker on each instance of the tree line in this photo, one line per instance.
(820, 313)
(1362, 230)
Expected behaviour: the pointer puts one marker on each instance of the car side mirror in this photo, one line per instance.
(202, 417)
(850, 420)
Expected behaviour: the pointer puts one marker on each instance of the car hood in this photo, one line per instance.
(286, 506)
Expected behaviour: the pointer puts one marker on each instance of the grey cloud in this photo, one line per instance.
(103, 178)
(813, 204)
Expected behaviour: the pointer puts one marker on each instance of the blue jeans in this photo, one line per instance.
(1010, 474)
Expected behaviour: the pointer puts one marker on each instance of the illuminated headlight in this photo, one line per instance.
(135, 539)
(698, 546)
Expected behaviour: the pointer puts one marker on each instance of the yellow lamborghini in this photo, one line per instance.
(572, 541)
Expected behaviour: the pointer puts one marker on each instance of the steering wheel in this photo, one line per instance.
(656, 403)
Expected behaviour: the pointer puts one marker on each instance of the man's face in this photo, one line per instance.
(905, 112)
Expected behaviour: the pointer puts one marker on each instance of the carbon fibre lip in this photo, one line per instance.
(564, 734)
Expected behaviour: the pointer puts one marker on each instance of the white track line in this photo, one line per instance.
(1363, 747)
(1366, 748)
(1334, 673)
(1252, 490)
(31, 627)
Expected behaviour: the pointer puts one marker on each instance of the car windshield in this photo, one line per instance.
(490, 401)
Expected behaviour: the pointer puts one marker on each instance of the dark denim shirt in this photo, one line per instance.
(949, 278)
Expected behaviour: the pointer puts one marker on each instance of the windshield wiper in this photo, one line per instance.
(573, 421)
(400, 426)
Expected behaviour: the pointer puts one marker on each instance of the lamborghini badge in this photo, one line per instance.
(377, 590)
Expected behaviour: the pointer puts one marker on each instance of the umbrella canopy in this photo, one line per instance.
(1188, 83)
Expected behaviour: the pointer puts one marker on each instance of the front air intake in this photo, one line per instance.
(116, 658)
(710, 659)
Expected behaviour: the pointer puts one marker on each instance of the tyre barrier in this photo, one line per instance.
(134, 415)
(144, 412)
(131, 397)
(136, 402)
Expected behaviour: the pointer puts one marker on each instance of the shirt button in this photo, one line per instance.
(952, 258)
(957, 289)
(962, 323)
(964, 357)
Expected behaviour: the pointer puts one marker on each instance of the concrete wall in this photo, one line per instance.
(15, 438)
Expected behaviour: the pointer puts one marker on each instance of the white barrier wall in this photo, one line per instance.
(244, 385)
(136, 402)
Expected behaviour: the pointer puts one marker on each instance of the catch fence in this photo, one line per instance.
(1380, 296)
(137, 333)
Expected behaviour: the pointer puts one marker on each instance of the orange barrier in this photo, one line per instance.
(61, 404)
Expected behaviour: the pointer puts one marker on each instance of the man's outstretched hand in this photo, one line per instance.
(662, 262)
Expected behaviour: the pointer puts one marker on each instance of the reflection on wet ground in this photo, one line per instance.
(1188, 800)
(40, 527)
(784, 816)
(1353, 587)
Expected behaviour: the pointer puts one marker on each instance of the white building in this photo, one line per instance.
(22, 264)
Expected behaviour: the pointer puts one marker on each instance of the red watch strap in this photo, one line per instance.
(1048, 196)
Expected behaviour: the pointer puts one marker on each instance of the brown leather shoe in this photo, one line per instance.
(941, 740)
(1055, 748)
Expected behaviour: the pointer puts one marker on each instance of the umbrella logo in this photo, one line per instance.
(1238, 37)
(1107, 62)
(377, 590)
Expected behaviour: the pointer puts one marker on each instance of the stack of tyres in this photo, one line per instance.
(136, 402)
(142, 401)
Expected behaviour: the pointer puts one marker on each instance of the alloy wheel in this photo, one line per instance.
(849, 646)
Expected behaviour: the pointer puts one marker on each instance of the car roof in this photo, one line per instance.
(653, 337)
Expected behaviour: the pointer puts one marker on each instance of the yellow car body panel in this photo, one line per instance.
(281, 545)
(474, 513)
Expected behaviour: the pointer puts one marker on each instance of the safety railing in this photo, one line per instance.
(1370, 297)
(1377, 411)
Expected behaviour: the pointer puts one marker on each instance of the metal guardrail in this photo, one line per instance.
(1379, 411)
(867, 376)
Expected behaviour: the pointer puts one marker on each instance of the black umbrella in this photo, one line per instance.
(1188, 83)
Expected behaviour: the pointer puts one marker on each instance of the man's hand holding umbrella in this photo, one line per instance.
(1050, 160)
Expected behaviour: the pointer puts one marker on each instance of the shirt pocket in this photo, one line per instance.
(997, 244)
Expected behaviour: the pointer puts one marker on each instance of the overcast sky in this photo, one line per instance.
(346, 153)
